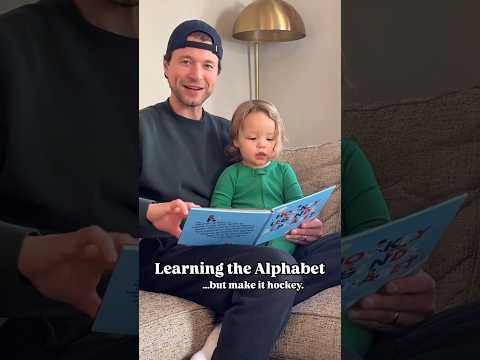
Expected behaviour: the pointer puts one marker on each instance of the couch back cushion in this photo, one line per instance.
(318, 167)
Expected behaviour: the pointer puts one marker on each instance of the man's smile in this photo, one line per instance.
(193, 87)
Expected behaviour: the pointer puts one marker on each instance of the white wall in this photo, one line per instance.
(302, 78)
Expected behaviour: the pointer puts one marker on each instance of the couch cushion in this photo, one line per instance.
(313, 330)
(318, 167)
(171, 328)
(423, 152)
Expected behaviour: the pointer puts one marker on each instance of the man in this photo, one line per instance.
(68, 165)
(182, 151)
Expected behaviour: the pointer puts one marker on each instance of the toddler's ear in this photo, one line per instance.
(235, 143)
(275, 150)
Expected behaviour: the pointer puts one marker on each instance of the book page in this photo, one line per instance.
(207, 226)
(293, 214)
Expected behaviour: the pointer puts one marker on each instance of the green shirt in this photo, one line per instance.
(240, 186)
(363, 207)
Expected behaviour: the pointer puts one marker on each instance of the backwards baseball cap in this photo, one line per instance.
(178, 39)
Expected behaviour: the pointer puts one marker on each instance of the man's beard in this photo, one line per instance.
(188, 102)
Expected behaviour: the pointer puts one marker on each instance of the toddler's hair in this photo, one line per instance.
(242, 111)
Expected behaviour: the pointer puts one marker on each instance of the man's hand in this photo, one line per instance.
(307, 233)
(168, 216)
(401, 302)
(68, 267)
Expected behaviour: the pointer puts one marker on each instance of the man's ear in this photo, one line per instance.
(165, 68)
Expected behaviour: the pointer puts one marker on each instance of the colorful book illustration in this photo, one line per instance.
(376, 256)
(118, 313)
(210, 226)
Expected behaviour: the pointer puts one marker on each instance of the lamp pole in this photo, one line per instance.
(257, 71)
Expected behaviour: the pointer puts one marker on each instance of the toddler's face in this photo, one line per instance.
(256, 140)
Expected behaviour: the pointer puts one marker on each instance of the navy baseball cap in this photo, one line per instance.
(178, 39)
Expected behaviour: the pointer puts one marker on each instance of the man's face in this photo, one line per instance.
(191, 74)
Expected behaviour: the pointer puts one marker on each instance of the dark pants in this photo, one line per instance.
(40, 328)
(263, 312)
(451, 334)
(62, 338)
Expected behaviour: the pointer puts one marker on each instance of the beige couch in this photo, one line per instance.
(425, 151)
(171, 328)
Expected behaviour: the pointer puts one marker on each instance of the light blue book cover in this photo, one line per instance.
(211, 226)
(374, 257)
(118, 313)
(291, 215)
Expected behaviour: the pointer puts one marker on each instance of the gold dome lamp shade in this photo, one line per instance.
(268, 20)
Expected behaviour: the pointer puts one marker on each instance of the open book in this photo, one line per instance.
(376, 256)
(118, 313)
(210, 226)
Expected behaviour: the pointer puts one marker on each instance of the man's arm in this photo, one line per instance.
(11, 241)
(63, 267)
(145, 227)
(166, 216)
(11, 235)
(68, 267)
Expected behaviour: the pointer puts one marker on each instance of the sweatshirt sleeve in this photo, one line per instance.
(145, 228)
(19, 298)
(11, 240)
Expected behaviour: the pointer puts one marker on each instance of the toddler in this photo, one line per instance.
(256, 180)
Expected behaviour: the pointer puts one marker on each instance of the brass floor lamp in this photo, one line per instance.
(267, 20)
